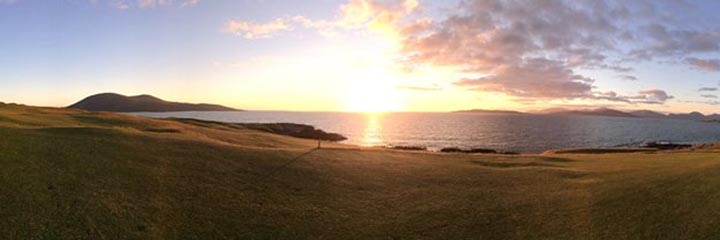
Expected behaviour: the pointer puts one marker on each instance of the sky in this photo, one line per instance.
(366, 55)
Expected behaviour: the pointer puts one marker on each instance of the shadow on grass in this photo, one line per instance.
(288, 163)
(513, 164)
(556, 159)
(98, 120)
(162, 130)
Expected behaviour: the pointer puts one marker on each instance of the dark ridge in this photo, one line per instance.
(112, 102)
(475, 150)
(688, 116)
(667, 145)
(607, 112)
(648, 114)
(591, 112)
(296, 130)
(409, 148)
(489, 111)
(287, 129)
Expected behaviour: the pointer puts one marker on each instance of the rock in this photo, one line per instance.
(666, 145)
(472, 150)
(297, 130)
(409, 148)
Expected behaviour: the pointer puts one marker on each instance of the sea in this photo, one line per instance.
(504, 132)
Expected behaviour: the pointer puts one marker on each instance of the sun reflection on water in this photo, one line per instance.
(373, 128)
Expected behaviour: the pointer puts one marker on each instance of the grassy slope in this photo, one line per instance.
(74, 174)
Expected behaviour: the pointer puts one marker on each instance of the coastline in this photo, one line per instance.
(145, 178)
(502, 133)
(653, 147)
(315, 133)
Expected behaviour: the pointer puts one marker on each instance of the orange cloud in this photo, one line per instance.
(251, 30)
(379, 16)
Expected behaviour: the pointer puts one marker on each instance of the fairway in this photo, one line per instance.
(71, 174)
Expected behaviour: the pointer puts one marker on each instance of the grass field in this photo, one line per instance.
(68, 174)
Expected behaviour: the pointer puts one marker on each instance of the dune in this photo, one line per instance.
(69, 174)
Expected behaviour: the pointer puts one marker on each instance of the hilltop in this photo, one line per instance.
(589, 112)
(648, 114)
(113, 102)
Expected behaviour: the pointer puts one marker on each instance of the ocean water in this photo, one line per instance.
(508, 132)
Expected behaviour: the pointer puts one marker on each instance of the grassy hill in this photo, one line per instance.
(69, 174)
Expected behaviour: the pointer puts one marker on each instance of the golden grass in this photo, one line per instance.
(68, 174)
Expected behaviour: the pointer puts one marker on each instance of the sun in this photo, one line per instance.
(372, 97)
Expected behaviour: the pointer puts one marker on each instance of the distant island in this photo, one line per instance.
(606, 112)
(647, 114)
(490, 111)
(113, 102)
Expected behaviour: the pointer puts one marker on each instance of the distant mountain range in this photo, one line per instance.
(607, 112)
(113, 102)
(590, 112)
(490, 111)
(647, 114)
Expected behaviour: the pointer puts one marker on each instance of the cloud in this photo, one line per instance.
(127, 4)
(709, 101)
(490, 32)
(653, 96)
(617, 68)
(434, 87)
(376, 14)
(152, 3)
(662, 41)
(534, 78)
(628, 77)
(188, 3)
(251, 30)
(709, 96)
(534, 49)
(120, 4)
(707, 89)
(527, 49)
(356, 15)
(711, 65)
(650, 96)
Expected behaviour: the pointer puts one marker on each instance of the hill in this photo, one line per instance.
(112, 102)
(483, 111)
(607, 112)
(72, 174)
(695, 116)
(647, 114)
(688, 116)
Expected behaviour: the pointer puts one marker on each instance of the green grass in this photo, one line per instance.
(67, 174)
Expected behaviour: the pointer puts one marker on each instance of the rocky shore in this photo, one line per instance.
(287, 129)
(645, 147)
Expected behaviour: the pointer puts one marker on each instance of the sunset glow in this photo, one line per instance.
(375, 94)
(367, 55)
(360, 119)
